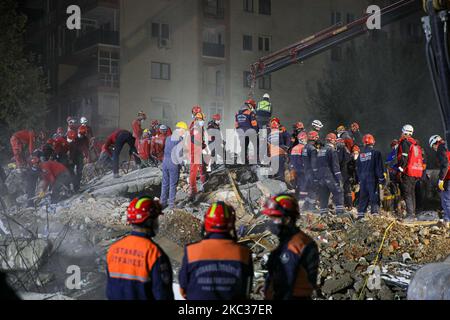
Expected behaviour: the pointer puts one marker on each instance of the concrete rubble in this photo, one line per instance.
(96, 218)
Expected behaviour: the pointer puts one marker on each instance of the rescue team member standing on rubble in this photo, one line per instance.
(308, 191)
(197, 146)
(158, 142)
(213, 130)
(78, 151)
(410, 165)
(344, 156)
(371, 174)
(54, 175)
(330, 176)
(443, 157)
(137, 268)
(137, 127)
(246, 121)
(293, 265)
(355, 134)
(195, 111)
(277, 149)
(264, 112)
(296, 162)
(144, 149)
(173, 155)
(297, 128)
(116, 141)
(217, 268)
(18, 142)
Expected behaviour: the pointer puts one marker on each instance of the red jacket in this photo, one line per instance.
(137, 129)
(111, 141)
(77, 148)
(157, 148)
(26, 137)
(144, 149)
(89, 135)
(50, 172)
(61, 146)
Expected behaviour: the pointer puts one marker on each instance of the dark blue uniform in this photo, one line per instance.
(370, 173)
(245, 121)
(309, 188)
(330, 179)
(344, 157)
(216, 268)
(292, 267)
(171, 170)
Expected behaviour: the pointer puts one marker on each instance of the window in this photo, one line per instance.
(265, 82)
(108, 68)
(160, 71)
(264, 43)
(220, 86)
(160, 30)
(248, 43)
(247, 80)
(265, 7)
(215, 108)
(336, 17)
(248, 6)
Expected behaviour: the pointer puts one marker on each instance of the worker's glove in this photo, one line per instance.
(41, 195)
(441, 185)
(12, 166)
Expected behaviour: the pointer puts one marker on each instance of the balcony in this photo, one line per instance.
(213, 10)
(215, 50)
(96, 37)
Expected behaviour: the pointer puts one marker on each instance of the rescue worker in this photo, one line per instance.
(144, 149)
(410, 166)
(71, 124)
(137, 268)
(59, 133)
(154, 128)
(85, 128)
(217, 267)
(195, 110)
(443, 158)
(308, 191)
(53, 175)
(173, 155)
(370, 174)
(84, 141)
(330, 176)
(296, 162)
(78, 151)
(344, 156)
(391, 161)
(345, 137)
(264, 112)
(356, 135)
(297, 129)
(158, 142)
(32, 175)
(317, 126)
(277, 149)
(61, 149)
(247, 128)
(293, 265)
(353, 176)
(197, 147)
(19, 141)
(213, 131)
(116, 141)
(46, 152)
(137, 127)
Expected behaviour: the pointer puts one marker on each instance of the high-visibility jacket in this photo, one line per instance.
(138, 269)
(293, 268)
(264, 106)
(216, 268)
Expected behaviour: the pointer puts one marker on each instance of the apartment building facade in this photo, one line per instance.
(82, 66)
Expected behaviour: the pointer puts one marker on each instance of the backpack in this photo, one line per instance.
(414, 167)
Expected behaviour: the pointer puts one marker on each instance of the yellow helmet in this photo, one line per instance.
(182, 125)
(340, 128)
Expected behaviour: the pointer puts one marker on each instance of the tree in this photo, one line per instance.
(381, 82)
(23, 98)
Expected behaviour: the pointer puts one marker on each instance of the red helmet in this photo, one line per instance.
(394, 143)
(302, 136)
(220, 218)
(216, 117)
(354, 126)
(299, 126)
(283, 205)
(141, 114)
(275, 119)
(72, 135)
(313, 136)
(251, 103)
(50, 141)
(155, 123)
(331, 137)
(196, 109)
(82, 131)
(274, 125)
(142, 209)
(355, 148)
(368, 139)
(35, 161)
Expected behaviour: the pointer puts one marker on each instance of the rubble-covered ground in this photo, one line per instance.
(38, 244)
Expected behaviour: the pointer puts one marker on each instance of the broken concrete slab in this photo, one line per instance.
(24, 254)
(332, 286)
(270, 187)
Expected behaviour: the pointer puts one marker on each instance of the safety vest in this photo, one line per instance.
(265, 106)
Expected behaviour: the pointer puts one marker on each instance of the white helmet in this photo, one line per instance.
(83, 120)
(434, 139)
(317, 124)
(408, 129)
(266, 96)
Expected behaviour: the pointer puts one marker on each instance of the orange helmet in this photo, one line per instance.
(299, 126)
(355, 148)
(368, 139)
(82, 130)
(251, 103)
(331, 137)
(302, 136)
(216, 117)
(283, 205)
(142, 209)
(220, 218)
(71, 135)
(313, 136)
